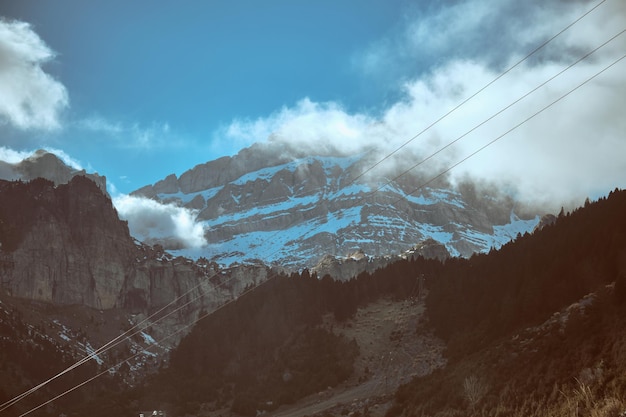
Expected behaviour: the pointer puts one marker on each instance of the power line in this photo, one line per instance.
(502, 110)
(119, 339)
(517, 125)
(431, 180)
(112, 368)
(497, 113)
(526, 57)
(479, 91)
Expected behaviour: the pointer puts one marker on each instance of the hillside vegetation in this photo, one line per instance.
(537, 328)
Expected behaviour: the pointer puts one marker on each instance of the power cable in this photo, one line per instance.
(117, 340)
(478, 91)
(526, 57)
(502, 110)
(504, 134)
(112, 368)
(496, 114)
(516, 126)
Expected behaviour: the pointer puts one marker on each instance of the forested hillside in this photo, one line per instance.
(268, 348)
(536, 328)
(28, 357)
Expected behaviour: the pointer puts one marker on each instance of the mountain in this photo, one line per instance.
(273, 203)
(534, 328)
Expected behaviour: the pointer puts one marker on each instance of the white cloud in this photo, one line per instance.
(12, 156)
(131, 135)
(152, 222)
(29, 97)
(317, 127)
(573, 150)
(100, 124)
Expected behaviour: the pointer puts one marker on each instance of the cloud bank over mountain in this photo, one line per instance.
(572, 150)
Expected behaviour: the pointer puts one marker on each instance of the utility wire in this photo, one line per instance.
(379, 382)
(526, 57)
(514, 127)
(496, 114)
(478, 92)
(502, 110)
(119, 339)
(112, 368)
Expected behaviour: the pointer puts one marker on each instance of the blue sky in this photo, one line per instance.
(138, 90)
(151, 83)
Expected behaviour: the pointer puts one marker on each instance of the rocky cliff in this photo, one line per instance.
(62, 244)
(66, 245)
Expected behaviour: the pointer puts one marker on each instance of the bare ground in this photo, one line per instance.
(394, 347)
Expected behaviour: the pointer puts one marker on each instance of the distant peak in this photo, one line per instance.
(40, 153)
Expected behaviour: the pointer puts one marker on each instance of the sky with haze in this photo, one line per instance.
(142, 89)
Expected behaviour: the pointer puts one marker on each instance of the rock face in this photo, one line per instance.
(269, 202)
(63, 244)
(66, 245)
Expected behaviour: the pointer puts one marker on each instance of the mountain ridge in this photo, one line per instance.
(266, 203)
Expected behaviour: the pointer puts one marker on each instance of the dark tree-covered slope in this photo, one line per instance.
(536, 328)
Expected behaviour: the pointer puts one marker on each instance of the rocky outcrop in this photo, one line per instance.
(345, 268)
(546, 220)
(428, 249)
(62, 244)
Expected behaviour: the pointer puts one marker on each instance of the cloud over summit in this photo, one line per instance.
(572, 150)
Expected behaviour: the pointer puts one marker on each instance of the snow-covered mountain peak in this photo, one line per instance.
(272, 204)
